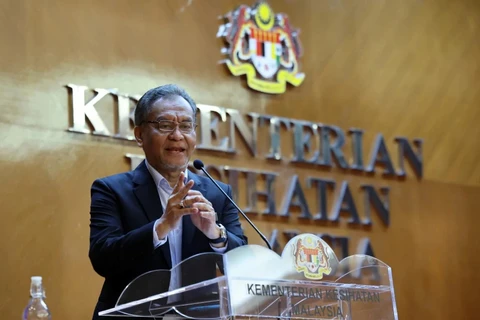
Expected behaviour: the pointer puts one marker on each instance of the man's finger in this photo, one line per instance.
(203, 206)
(194, 193)
(182, 192)
(190, 200)
(186, 211)
(180, 183)
(208, 215)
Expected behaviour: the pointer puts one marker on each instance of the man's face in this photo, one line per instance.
(167, 151)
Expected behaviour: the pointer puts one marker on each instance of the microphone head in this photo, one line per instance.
(198, 164)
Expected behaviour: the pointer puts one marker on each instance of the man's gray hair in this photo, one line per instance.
(145, 103)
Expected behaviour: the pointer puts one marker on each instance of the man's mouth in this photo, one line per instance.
(175, 149)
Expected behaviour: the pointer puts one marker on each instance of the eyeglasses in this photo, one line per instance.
(168, 126)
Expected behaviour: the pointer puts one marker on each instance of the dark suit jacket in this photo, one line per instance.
(123, 210)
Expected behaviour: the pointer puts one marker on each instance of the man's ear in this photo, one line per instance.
(137, 131)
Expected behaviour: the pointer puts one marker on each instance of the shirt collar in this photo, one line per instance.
(157, 177)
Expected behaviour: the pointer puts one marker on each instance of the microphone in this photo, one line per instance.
(198, 164)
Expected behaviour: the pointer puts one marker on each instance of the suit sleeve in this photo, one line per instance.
(229, 219)
(112, 251)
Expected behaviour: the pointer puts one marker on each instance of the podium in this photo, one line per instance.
(306, 282)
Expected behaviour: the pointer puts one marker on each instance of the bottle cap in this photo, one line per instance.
(36, 280)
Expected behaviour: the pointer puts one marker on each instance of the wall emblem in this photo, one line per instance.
(310, 257)
(263, 46)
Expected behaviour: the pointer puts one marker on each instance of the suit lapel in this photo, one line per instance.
(147, 194)
(188, 228)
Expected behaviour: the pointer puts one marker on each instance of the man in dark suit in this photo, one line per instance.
(161, 213)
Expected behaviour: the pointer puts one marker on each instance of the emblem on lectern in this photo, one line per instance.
(311, 257)
(263, 46)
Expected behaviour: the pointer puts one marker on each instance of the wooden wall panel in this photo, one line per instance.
(401, 68)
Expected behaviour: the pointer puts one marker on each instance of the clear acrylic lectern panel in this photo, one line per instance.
(305, 282)
(191, 289)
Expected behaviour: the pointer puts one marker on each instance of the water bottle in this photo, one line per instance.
(37, 308)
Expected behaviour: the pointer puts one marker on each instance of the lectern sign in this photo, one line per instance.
(263, 46)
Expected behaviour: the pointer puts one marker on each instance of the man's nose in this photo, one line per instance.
(176, 134)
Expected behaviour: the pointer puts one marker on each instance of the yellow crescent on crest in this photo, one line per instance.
(264, 17)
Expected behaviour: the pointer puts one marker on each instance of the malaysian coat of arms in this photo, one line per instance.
(311, 257)
(263, 46)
